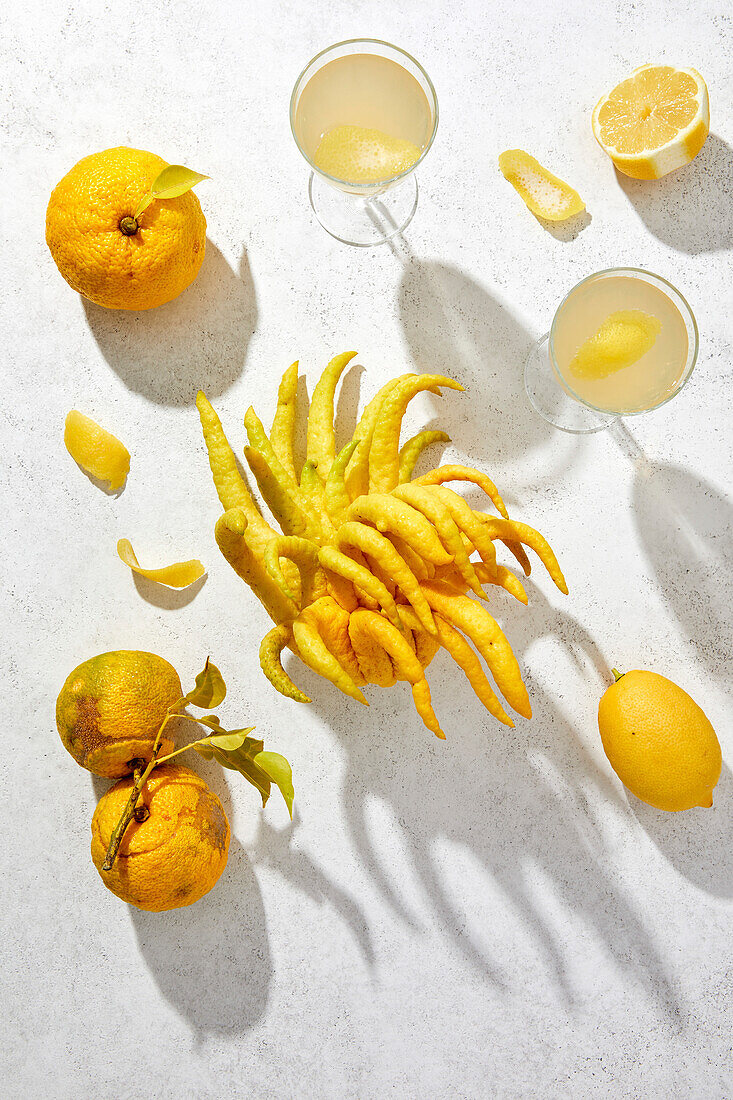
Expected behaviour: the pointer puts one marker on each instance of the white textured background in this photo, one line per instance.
(492, 916)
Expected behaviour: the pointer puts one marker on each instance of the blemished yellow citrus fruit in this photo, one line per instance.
(97, 451)
(357, 154)
(151, 263)
(623, 338)
(653, 122)
(177, 854)
(659, 742)
(111, 707)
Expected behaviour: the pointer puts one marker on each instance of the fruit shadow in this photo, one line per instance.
(690, 209)
(520, 803)
(685, 526)
(197, 341)
(211, 960)
(454, 326)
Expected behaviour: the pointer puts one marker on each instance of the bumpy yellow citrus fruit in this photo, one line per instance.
(177, 854)
(97, 451)
(111, 707)
(108, 256)
(357, 154)
(653, 122)
(659, 742)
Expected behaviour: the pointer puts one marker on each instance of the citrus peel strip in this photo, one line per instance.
(179, 575)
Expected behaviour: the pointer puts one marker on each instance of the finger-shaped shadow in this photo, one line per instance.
(455, 326)
(275, 848)
(499, 795)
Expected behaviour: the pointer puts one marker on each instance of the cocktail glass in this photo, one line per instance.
(573, 404)
(376, 86)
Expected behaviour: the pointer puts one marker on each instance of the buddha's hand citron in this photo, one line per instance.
(659, 742)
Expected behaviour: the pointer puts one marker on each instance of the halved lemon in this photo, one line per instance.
(654, 121)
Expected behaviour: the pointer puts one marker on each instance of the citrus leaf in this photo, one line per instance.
(228, 742)
(174, 180)
(210, 688)
(278, 769)
(212, 722)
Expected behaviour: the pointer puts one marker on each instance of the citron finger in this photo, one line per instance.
(345, 566)
(374, 661)
(283, 423)
(437, 512)
(271, 648)
(384, 462)
(467, 522)
(424, 707)
(423, 570)
(336, 497)
(97, 451)
(504, 578)
(289, 514)
(332, 621)
(304, 554)
(466, 659)
(357, 469)
(179, 575)
(473, 619)
(413, 448)
(228, 481)
(503, 529)
(459, 472)
(321, 437)
(317, 656)
(381, 550)
(314, 492)
(392, 515)
(231, 537)
(405, 662)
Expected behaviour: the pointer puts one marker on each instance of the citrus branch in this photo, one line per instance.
(141, 776)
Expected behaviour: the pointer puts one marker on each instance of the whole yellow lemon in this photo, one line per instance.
(659, 742)
(177, 853)
(105, 253)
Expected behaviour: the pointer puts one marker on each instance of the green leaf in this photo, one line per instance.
(174, 180)
(210, 688)
(213, 723)
(278, 769)
(227, 741)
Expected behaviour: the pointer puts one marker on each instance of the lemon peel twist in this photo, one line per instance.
(375, 570)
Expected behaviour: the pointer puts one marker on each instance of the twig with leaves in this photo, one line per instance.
(233, 749)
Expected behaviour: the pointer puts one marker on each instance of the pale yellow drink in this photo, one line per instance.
(363, 119)
(619, 343)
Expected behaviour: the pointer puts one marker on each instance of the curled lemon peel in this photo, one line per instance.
(97, 451)
(374, 571)
(545, 194)
(179, 575)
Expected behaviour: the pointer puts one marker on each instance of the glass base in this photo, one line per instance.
(363, 222)
(550, 400)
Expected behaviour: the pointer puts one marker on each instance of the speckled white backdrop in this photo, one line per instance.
(493, 916)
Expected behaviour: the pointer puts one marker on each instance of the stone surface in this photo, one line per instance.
(491, 916)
